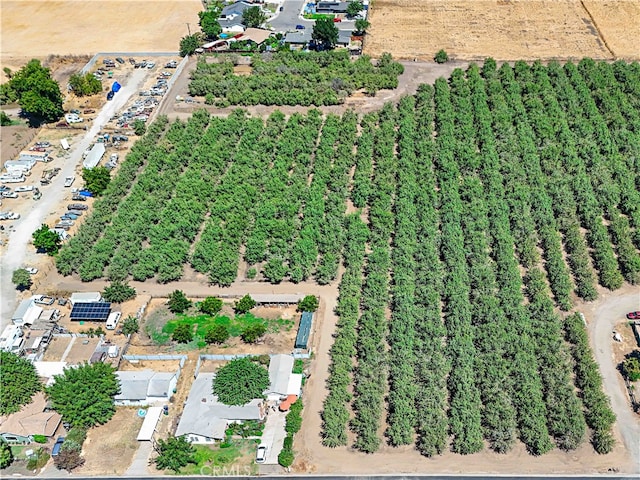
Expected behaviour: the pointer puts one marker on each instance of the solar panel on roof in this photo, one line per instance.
(93, 312)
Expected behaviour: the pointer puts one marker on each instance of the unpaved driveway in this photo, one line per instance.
(18, 248)
(602, 321)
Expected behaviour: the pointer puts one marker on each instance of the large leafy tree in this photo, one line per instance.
(119, 292)
(46, 241)
(6, 456)
(96, 179)
(240, 381)
(217, 334)
(84, 395)
(188, 45)
(37, 93)
(130, 326)
(253, 332)
(18, 382)
(21, 279)
(325, 33)
(174, 453)
(361, 26)
(253, 17)
(209, 23)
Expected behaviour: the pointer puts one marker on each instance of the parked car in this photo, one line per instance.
(171, 64)
(633, 315)
(24, 188)
(261, 454)
(9, 194)
(79, 198)
(336, 20)
(132, 61)
(110, 95)
(151, 65)
(31, 270)
(43, 144)
(55, 451)
(77, 213)
(77, 206)
(120, 60)
(300, 27)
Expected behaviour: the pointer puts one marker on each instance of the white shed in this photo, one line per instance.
(85, 297)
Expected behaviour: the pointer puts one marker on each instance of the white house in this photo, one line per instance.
(27, 312)
(205, 419)
(145, 387)
(282, 381)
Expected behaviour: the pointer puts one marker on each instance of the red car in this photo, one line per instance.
(337, 20)
(633, 315)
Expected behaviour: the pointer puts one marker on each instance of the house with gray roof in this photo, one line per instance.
(204, 419)
(145, 387)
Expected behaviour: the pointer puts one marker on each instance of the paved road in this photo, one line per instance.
(289, 17)
(605, 318)
(18, 249)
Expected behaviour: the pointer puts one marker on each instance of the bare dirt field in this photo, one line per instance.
(504, 29)
(110, 448)
(90, 26)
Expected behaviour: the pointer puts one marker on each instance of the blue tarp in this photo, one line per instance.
(116, 87)
(85, 193)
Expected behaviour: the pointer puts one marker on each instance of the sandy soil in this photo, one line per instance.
(91, 26)
(618, 22)
(503, 29)
(56, 349)
(110, 448)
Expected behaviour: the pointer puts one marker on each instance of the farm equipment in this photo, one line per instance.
(47, 175)
(37, 194)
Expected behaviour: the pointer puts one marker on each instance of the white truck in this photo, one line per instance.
(68, 181)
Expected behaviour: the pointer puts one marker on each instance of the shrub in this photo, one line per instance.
(21, 279)
(286, 458)
(178, 302)
(68, 460)
(40, 438)
(183, 333)
(308, 304)
(130, 326)
(245, 304)
(217, 334)
(441, 57)
(119, 292)
(252, 333)
(211, 306)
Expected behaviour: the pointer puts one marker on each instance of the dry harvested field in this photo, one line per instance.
(505, 29)
(39, 28)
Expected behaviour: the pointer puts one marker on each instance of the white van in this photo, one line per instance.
(113, 319)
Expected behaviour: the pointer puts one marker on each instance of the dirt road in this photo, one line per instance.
(602, 319)
(18, 250)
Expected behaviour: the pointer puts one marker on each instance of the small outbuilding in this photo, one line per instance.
(85, 297)
(149, 425)
(304, 330)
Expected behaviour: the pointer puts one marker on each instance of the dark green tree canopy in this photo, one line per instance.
(37, 93)
(253, 332)
(84, 395)
(253, 17)
(46, 241)
(211, 305)
(139, 127)
(308, 304)
(183, 333)
(6, 455)
(119, 292)
(325, 33)
(217, 334)
(240, 381)
(209, 23)
(354, 8)
(362, 26)
(18, 382)
(21, 279)
(130, 326)
(96, 179)
(178, 302)
(245, 304)
(188, 45)
(174, 453)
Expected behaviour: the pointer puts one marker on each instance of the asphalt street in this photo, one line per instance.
(290, 16)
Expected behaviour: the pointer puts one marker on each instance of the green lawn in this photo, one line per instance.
(217, 461)
(202, 323)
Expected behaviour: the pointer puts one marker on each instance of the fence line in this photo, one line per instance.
(95, 58)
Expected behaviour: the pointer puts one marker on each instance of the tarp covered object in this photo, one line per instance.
(116, 87)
